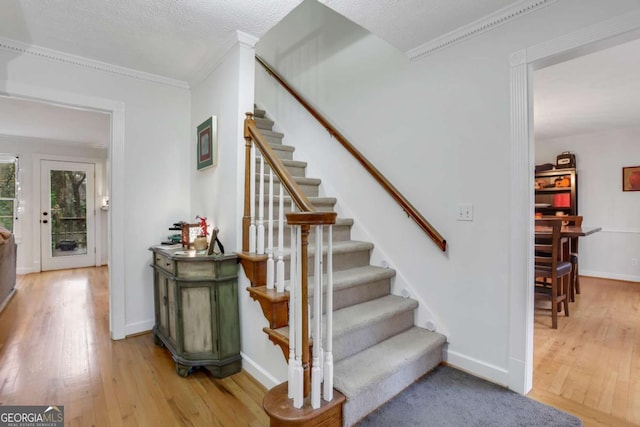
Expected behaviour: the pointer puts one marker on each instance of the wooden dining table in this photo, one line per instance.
(567, 230)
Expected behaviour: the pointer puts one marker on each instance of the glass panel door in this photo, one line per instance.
(67, 215)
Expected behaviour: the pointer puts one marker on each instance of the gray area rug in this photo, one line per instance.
(449, 397)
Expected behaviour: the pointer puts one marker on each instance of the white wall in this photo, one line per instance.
(30, 151)
(217, 192)
(439, 129)
(600, 158)
(156, 155)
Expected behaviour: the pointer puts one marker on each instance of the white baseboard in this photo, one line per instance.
(481, 369)
(24, 270)
(259, 373)
(607, 275)
(139, 327)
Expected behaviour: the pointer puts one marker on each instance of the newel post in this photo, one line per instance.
(304, 295)
(246, 218)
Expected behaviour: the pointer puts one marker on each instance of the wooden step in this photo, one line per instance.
(280, 409)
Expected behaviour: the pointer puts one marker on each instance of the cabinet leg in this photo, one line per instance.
(183, 370)
(157, 341)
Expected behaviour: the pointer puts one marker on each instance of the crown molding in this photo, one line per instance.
(487, 23)
(66, 58)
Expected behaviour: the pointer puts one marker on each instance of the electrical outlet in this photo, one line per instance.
(465, 212)
(634, 262)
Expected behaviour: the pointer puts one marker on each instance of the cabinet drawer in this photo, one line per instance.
(164, 263)
(207, 269)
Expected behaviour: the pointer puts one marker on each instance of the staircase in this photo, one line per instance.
(378, 351)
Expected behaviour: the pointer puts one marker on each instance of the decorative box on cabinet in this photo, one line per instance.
(550, 198)
(196, 304)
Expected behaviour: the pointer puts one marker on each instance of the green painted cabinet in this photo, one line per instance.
(196, 305)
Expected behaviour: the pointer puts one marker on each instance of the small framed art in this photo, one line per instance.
(631, 178)
(207, 143)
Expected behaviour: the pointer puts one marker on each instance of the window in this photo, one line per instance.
(8, 192)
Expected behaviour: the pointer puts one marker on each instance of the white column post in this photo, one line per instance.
(252, 198)
(261, 209)
(270, 263)
(328, 353)
(280, 263)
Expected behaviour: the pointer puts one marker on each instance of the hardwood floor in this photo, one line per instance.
(55, 349)
(590, 365)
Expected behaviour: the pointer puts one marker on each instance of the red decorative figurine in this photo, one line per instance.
(203, 226)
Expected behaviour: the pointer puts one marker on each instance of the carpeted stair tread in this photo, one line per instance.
(360, 315)
(258, 112)
(282, 147)
(271, 133)
(340, 222)
(300, 180)
(286, 162)
(320, 203)
(367, 368)
(353, 277)
(343, 247)
(263, 123)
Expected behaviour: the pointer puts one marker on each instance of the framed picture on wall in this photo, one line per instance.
(207, 143)
(631, 178)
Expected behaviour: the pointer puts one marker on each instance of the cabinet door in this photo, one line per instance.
(198, 320)
(229, 328)
(161, 315)
(171, 308)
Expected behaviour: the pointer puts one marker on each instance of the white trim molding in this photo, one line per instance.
(587, 40)
(66, 58)
(486, 23)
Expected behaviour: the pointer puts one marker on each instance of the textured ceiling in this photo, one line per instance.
(181, 39)
(170, 38)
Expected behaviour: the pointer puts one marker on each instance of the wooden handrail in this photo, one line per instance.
(407, 207)
(299, 198)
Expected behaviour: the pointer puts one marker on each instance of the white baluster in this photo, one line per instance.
(292, 319)
(261, 210)
(298, 397)
(316, 372)
(252, 200)
(280, 263)
(270, 263)
(328, 353)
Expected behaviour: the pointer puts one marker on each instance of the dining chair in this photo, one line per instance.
(573, 244)
(550, 266)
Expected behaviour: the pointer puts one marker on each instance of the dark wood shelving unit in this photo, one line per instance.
(559, 199)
